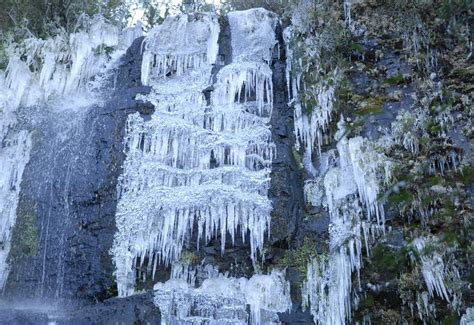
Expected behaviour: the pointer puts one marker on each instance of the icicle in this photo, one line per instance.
(309, 128)
(347, 12)
(433, 270)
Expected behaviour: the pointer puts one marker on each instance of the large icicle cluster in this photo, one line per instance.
(351, 188)
(310, 127)
(438, 267)
(314, 105)
(223, 300)
(41, 68)
(194, 163)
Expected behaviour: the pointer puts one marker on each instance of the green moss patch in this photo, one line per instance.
(298, 258)
(387, 260)
(394, 80)
(25, 232)
(297, 156)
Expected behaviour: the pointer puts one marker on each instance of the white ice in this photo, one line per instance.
(351, 189)
(224, 300)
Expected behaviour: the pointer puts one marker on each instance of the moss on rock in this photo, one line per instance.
(25, 232)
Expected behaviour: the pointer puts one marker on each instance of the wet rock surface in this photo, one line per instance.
(138, 309)
(70, 186)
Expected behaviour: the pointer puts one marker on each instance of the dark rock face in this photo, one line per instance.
(137, 309)
(286, 187)
(69, 186)
(396, 94)
(286, 190)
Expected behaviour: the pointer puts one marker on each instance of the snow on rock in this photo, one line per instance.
(196, 164)
(223, 300)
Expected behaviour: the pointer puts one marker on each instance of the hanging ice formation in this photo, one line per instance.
(310, 128)
(351, 188)
(194, 163)
(40, 72)
(311, 118)
(434, 270)
(223, 300)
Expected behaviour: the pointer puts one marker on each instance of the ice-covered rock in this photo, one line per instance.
(182, 42)
(224, 300)
(253, 35)
(468, 317)
(351, 188)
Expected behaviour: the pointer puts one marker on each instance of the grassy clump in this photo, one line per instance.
(299, 258)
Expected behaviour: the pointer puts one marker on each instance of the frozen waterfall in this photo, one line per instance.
(197, 163)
